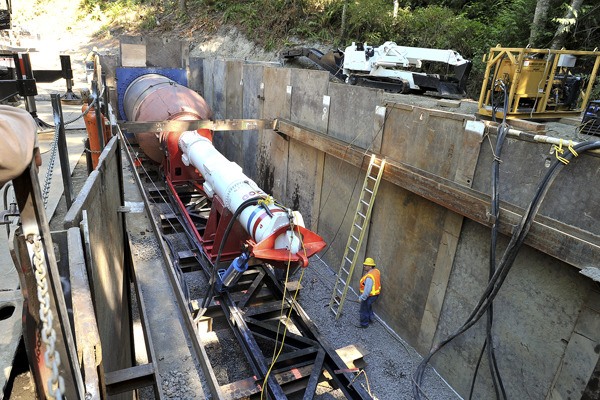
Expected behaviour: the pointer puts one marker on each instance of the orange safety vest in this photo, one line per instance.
(375, 276)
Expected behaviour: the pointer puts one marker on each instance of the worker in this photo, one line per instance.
(18, 139)
(370, 288)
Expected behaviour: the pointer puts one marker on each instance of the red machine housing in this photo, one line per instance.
(156, 98)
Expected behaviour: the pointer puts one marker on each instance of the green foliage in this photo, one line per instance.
(584, 34)
(267, 22)
(470, 27)
(510, 26)
(134, 14)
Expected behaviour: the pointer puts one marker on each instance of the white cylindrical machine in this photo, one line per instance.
(226, 179)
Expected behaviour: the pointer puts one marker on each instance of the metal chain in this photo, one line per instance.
(56, 383)
(50, 170)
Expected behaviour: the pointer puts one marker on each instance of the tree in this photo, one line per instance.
(565, 24)
(539, 21)
(343, 30)
(396, 6)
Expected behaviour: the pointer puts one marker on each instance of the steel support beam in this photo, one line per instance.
(564, 242)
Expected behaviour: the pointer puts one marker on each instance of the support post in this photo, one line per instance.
(63, 152)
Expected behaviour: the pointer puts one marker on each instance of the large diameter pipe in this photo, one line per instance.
(264, 223)
(154, 97)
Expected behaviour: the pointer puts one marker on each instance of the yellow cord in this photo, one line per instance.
(559, 150)
(276, 356)
(571, 149)
(267, 201)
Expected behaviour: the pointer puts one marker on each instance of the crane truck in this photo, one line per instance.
(394, 68)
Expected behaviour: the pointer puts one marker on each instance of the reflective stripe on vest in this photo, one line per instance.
(375, 277)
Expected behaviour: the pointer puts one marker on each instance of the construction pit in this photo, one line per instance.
(136, 257)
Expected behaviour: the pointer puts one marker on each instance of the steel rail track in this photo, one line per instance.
(256, 313)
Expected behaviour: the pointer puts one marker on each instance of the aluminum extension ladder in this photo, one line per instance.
(357, 232)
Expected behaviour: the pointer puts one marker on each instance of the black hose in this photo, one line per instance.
(506, 261)
(495, 212)
(477, 369)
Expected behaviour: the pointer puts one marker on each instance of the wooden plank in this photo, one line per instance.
(249, 386)
(128, 379)
(352, 355)
(292, 286)
(133, 55)
(564, 242)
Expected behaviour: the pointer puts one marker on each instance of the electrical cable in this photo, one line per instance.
(495, 213)
(83, 113)
(506, 262)
(476, 369)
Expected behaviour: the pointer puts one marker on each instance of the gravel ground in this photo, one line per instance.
(391, 362)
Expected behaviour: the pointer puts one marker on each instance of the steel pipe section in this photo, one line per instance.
(153, 97)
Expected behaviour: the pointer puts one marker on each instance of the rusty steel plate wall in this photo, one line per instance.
(101, 198)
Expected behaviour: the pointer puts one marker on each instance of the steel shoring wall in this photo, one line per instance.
(255, 315)
(410, 234)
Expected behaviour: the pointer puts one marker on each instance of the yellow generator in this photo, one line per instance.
(537, 83)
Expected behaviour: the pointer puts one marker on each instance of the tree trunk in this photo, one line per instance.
(343, 30)
(396, 6)
(539, 20)
(560, 35)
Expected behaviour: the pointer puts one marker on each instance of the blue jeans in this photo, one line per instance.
(366, 310)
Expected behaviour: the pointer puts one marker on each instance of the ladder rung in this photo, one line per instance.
(368, 190)
(347, 259)
(345, 270)
(372, 177)
(358, 226)
(362, 215)
(350, 248)
(354, 237)
(364, 202)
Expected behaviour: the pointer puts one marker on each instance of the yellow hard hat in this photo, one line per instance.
(369, 261)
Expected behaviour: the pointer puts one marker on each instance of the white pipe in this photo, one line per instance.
(226, 179)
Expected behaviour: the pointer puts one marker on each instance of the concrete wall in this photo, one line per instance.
(434, 262)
